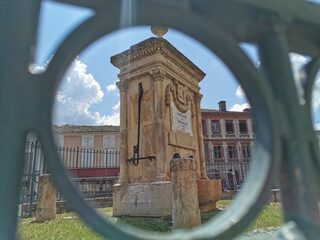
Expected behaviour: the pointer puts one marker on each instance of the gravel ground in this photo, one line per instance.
(262, 231)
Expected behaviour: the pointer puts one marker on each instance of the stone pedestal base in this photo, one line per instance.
(185, 210)
(46, 207)
(151, 199)
(209, 192)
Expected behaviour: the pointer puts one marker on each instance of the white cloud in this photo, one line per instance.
(240, 93)
(78, 92)
(112, 87)
(116, 107)
(316, 95)
(239, 107)
(317, 126)
(114, 118)
(298, 61)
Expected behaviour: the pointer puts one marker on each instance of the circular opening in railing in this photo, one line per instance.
(176, 153)
(168, 85)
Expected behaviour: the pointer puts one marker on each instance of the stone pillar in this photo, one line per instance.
(46, 207)
(223, 128)
(203, 173)
(250, 128)
(236, 128)
(225, 151)
(158, 77)
(123, 87)
(185, 204)
(239, 150)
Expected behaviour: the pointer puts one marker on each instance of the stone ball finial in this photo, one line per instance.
(159, 31)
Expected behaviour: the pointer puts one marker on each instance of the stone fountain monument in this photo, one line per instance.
(159, 118)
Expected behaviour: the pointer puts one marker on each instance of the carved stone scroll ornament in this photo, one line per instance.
(182, 97)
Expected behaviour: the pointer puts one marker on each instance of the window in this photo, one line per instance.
(109, 141)
(216, 174)
(206, 151)
(217, 152)
(243, 127)
(229, 127)
(232, 152)
(215, 127)
(204, 128)
(246, 151)
(87, 141)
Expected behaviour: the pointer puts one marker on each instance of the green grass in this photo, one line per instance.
(270, 216)
(68, 226)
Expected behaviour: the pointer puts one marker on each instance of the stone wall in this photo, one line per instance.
(62, 206)
(143, 199)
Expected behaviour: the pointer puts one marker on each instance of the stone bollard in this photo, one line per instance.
(185, 205)
(46, 206)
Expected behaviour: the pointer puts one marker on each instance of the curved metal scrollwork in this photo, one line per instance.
(272, 111)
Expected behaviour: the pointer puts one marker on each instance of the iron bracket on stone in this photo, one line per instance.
(135, 161)
(136, 148)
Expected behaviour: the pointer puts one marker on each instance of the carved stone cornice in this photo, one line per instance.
(181, 96)
(157, 45)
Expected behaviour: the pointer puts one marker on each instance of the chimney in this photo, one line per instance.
(222, 106)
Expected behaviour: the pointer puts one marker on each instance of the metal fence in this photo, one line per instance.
(76, 157)
(93, 187)
(93, 171)
(83, 162)
(232, 174)
(33, 168)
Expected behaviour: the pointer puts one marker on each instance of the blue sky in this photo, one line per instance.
(87, 94)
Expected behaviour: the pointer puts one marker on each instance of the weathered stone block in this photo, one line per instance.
(209, 192)
(151, 199)
(185, 205)
(46, 207)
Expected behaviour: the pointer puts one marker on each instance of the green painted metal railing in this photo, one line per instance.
(286, 148)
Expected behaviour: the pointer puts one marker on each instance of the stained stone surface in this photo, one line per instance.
(170, 122)
(143, 199)
(159, 31)
(209, 192)
(46, 207)
(185, 205)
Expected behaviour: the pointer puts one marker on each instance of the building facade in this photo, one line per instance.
(90, 155)
(228, 143)
(89, 137)
(80, 148)
(89, 151)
